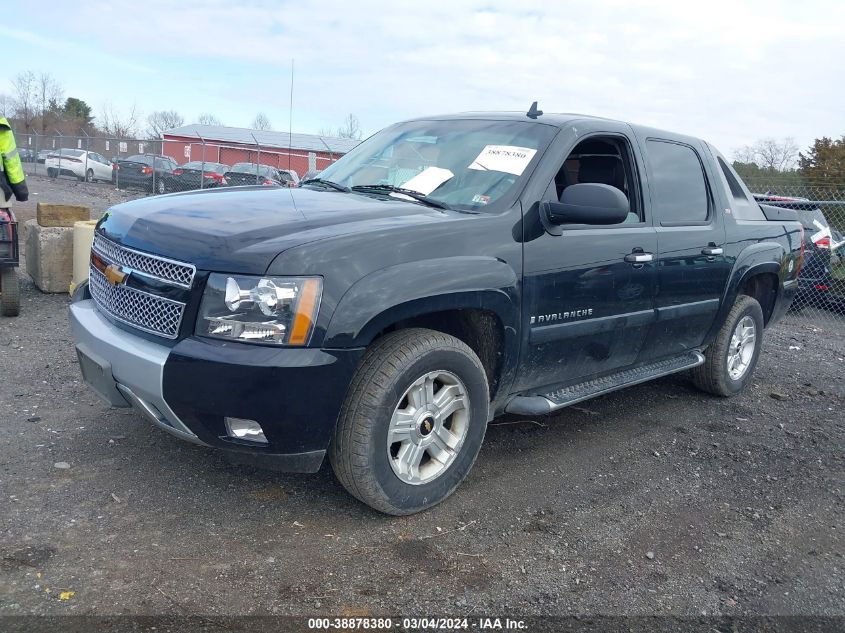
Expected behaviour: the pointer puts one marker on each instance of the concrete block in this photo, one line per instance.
(61, 214)
(49, 256)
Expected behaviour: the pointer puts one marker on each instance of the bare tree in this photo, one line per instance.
(161, 121)
(745, 154)
(115, 123)
(206, 118)
(261, 122)
(49, 94)
(24, 99)
(351, 127)
(777, 155)
(5, 105)
(770, 154)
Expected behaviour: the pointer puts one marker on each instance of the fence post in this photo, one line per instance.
(331, 153)
(59, 168)
(258, 159)
(202, 169)
(36, 153)
(87, 149)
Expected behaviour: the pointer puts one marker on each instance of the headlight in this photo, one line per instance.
(280, 310)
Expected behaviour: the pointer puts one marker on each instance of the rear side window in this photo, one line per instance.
(743, 205)
(678, 188)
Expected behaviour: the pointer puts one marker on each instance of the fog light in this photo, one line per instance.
(248, 430)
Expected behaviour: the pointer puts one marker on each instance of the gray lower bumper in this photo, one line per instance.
(124, 370)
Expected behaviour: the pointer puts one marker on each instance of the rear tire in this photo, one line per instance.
(412, 423)
(52, 172)
(10, 292)
(733, 355)
(89, 175)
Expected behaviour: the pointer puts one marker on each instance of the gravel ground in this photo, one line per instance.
(656, 500)
(653, 500)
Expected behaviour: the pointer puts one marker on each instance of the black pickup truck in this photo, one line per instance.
(446, 271)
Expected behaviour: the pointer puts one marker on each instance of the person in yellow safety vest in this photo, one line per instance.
(12, 180)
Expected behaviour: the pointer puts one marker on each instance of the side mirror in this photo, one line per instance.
(588, 203)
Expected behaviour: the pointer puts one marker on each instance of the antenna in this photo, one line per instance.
(533, 112)
(290, 116)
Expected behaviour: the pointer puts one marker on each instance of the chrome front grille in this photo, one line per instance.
(139, 309)
(162, 268)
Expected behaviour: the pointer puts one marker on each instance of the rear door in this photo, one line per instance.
(693, 268)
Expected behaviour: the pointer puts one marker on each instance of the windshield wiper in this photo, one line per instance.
(327, 183)
(416, 195)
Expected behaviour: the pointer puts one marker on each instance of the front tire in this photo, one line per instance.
(412, 423)
(10, 292)
(733, 355)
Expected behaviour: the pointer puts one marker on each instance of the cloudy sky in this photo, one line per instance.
(731, 72)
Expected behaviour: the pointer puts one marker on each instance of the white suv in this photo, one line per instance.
(80, 163)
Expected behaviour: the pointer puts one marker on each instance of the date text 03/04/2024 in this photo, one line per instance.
(418, 624)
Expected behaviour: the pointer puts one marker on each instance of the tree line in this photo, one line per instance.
(780, 162)
(38, 105)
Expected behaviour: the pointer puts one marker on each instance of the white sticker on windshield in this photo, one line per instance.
(505, 158)
(428, 180)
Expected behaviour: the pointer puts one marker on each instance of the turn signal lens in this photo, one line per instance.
(306, 312)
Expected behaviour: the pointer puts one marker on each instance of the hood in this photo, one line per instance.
(242, 229)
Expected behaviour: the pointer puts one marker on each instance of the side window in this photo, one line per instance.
(601, 159)
(743, 205)
(679, 190)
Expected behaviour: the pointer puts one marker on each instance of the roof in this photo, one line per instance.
(265, 138)
(556, 119)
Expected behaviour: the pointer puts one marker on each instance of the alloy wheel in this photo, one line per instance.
(428, 427)
(741, 350)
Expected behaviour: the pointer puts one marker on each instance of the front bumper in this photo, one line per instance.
(188, 390)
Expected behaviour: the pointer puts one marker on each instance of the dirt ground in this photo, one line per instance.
(653, 500)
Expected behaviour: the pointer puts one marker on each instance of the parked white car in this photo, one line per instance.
(80, 163)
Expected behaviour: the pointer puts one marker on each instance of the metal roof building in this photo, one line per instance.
(229, 145)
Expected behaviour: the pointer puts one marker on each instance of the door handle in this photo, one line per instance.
(639, 258)
(712, 251)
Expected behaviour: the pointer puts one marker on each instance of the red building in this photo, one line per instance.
(230, 145)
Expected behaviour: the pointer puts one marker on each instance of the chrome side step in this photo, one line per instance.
(543, 403)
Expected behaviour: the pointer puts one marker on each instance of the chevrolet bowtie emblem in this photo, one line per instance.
(115, 275)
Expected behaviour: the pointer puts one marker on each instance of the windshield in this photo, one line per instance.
(466, 164)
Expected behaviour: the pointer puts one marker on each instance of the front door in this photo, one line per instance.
(588, 302)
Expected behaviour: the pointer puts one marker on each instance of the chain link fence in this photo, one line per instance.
(165, 166)
(821, 210)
